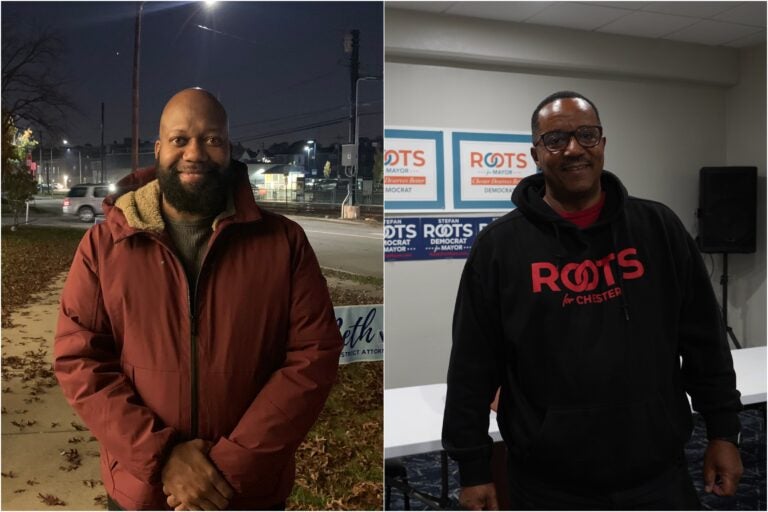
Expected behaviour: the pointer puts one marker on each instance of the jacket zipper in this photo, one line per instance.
(193, 329)
(193, 335)
(193, 355)
(193, 341)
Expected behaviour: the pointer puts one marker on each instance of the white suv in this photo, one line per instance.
(85, 200)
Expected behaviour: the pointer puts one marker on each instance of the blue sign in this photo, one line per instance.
(401, 238)
(431, 238)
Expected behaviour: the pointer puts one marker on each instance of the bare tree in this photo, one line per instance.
(31, 89)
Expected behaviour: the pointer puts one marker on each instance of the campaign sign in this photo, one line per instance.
(401, 238)
(362, 328)
(447, 237)
(487, 167)
(413, 169)
(431, 238)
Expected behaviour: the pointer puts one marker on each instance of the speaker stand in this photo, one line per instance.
(724, 282)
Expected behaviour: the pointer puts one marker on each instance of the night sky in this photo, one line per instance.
(276, 66)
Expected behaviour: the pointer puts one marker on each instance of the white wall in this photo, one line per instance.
(746, 145)
(662, 124)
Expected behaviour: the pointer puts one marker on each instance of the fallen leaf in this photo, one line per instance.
(51, 500)
(72, 458)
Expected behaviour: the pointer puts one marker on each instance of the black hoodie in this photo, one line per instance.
(583, 331)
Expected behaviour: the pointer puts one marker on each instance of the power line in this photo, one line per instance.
(319, 124)
(300, 115)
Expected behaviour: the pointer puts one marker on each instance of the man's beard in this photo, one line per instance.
(207, 197)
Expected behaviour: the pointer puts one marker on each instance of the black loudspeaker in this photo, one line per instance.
(728, 209)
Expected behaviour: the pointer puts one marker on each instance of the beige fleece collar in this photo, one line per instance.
(142, 208)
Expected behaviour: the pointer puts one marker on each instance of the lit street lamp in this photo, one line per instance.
(79, 160)
(311, 153)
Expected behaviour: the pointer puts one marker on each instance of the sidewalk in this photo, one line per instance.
(43, 450)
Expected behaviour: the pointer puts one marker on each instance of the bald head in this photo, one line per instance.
(193, 127)
(193, 103)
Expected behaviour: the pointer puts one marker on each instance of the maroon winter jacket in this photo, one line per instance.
(248, 366)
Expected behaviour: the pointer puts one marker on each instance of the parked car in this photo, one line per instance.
(85, 200)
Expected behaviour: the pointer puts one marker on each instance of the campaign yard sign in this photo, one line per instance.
(487, 167)
(362, 328)
(413, 169)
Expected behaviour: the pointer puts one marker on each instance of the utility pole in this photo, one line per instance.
(48, 174)
(135, 121)
(42, 163)
(352, 46)
(103, 171)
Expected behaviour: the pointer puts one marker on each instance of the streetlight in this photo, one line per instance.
(135, 88)
(79, 159)
(357, 132)
(311, 152)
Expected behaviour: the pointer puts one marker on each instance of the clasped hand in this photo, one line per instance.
(191, 482)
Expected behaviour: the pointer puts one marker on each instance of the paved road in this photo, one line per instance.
(350, 246)
(355, 247)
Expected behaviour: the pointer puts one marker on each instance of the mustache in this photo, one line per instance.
(196, 168)
(579, 160)
(575, 161)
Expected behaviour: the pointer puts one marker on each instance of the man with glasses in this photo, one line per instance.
(580, 306)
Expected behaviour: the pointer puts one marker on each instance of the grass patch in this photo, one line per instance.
(355, 278)
(340, 464)
(32, 256)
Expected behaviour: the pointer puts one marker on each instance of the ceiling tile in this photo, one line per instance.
(748, 13)
(750, 40)
(695, 9)
(711, 32)
(504, 11)
(632, 6)
(647, 24)
(577, 16)
(420, 6)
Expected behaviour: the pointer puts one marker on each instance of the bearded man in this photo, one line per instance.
(196, 336)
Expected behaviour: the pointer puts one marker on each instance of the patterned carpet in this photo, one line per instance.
(424, 470)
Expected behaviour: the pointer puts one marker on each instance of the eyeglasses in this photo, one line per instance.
(586, 136)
